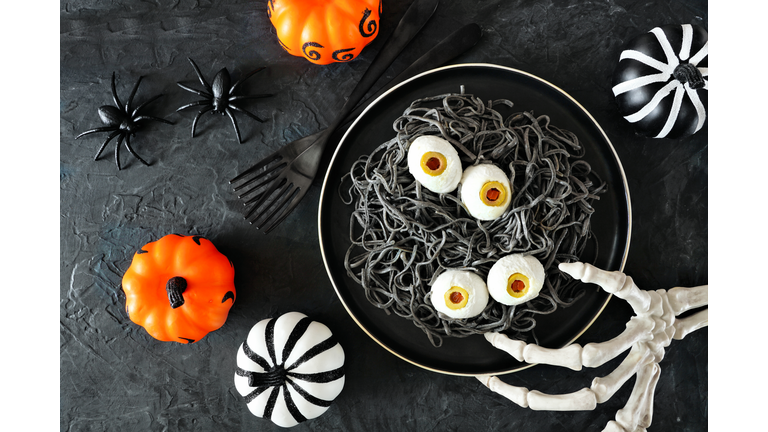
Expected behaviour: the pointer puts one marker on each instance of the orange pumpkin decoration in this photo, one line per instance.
(179, 288)
(325, 31)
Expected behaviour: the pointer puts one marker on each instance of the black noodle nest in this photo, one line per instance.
(404, 236)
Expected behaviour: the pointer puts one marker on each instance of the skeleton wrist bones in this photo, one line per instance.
(647, 335)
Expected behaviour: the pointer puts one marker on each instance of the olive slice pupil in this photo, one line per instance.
(433, 163)
(493, 194)
(456, 297)
(518, 286)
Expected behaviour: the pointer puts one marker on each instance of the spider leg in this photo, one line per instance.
(117, 151)
(242, 80)
(98, 129)
(104, 144)
(200, 76)
(234, 123)
(140, 118)
(136, 111)
(258, 96)
(251, 115)
(198, 103)
(114, 95)
(128, 146)
(133, 93)
(197, 92)
(197, 117)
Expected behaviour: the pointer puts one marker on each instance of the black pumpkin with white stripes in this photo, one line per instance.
(661, 81)
(289, 369)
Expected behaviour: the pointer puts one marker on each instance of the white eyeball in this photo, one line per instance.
(459, 294)
(515, 279)
(485, 191)
(434, 163)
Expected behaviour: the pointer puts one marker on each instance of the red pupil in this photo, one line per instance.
(492, 194)
(456, 297)
(518, 286)
(433, 163)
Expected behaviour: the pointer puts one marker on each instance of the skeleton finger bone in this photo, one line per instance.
(689, 324)
(518, 395)
(574, 356)
(683, 299)
(638, 411)
(616, 283)
(597, 354)
(569, 356)
(605, 387)
(582, 400)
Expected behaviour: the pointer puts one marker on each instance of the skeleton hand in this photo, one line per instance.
(647, 334)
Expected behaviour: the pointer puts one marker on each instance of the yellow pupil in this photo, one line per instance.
(433, 163)
(456, 298)
(493, 194)
(517, 285)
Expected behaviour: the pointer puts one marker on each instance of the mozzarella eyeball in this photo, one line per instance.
(485, 191)
(459, 294)
(516, 279)
(434, 163)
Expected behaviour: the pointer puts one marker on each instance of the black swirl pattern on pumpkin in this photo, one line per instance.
(370, 27)
(285, 47)
(227, 296)
(270, 8)
(343, 58)
(312, 54)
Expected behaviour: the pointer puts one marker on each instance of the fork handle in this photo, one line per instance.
(413, 20)
(446, 50)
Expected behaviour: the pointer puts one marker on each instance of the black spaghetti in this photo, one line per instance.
(404, 236)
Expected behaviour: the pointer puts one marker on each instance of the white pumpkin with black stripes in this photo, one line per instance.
(662, 80)
(289, 369)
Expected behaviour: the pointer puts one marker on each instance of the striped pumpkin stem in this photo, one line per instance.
(274, 377)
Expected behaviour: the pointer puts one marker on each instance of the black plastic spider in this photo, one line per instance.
(122, 122)
(220, 96)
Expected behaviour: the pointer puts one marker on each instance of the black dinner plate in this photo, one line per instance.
(611, 221)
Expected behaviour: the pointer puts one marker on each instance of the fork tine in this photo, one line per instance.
(271, 172)
(297, 196)
(261, 206)
(277, 204)
(259, 165)
(256, 197)
(254, 189)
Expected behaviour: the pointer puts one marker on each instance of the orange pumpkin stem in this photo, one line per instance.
(175, 287)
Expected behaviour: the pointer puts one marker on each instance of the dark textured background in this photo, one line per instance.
(114, 377)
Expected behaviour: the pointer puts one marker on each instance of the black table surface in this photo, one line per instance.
(115, 377)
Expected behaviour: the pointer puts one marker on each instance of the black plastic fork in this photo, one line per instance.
(293, 167)
(291, 170)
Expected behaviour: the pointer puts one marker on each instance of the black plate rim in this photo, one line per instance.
(384, 95)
